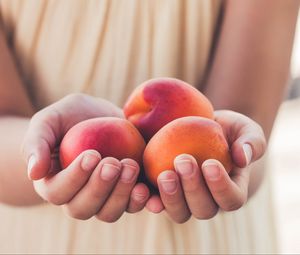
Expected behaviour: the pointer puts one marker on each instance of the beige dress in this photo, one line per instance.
(106, 48)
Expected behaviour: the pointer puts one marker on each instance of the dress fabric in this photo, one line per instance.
(106, 48)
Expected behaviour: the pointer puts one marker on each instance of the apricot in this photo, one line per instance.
(156, 102)
(200, 137)
(109, 136)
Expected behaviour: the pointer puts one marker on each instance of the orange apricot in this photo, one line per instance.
(200, 137)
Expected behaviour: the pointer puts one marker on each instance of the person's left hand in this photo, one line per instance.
(201, 192)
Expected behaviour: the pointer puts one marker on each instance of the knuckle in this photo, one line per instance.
(108, 217)
(42, 190)
(48, 194)
(74, 97)
(40, 116)
(183, 219)
(123, 194)
(191, 189)
(134, 209)
(95, 192)
(131, 210)
(74, 179)
(36, 116)
(77, 214)
(206, 215)
(98, 194)
(53, 198)
(45, 119)
(221, 190)
(171, 201)
(233, 206)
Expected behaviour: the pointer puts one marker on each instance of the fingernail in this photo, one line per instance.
(109, 172)
(128, 173)
(89, 162)
(138, 197)
(211, 171)
(169, 186)
(31, 163)
(184, 167)
(247, 152)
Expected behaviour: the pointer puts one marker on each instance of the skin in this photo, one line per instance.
(251, 58)
(250, 39)
(202, 191)
(89, 186)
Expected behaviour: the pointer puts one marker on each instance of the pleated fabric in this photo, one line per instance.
(106, 48)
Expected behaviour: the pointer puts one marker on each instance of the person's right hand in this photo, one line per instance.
(89, 186)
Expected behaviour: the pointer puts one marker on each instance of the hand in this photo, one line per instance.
(202, 190)
(89, 186)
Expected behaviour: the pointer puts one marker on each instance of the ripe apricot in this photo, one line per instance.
(113, 137)
(200, 137)
(156, 102)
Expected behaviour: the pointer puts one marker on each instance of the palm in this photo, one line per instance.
(49, 126)
(202, 194)
(89, 186)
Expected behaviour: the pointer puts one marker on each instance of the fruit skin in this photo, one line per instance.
(110, 136)
(200, 137)
(156, 102)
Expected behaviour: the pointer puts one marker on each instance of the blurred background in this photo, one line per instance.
(284, 160)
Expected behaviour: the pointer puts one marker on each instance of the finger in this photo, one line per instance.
(93, 195)
(138, 198)
(172, 196)
(61, 187)
(246, 137)
(118, 200)
(229, 193)
(248, 148)
(154, 204)
(197, 195)
(39, 142)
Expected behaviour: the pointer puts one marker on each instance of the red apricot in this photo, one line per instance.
(111, 137)
(156, 102)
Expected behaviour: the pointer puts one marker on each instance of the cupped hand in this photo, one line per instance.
(89, 186)
(200, 191)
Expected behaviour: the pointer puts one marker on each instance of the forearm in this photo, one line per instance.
(15, 187)
(250, 67)
(14, 99)
(16, 110)
(251, 64)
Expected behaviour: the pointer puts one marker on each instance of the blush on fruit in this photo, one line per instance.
(156, 102)
(111, 137)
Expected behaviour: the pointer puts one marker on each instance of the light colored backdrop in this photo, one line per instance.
(284, 155)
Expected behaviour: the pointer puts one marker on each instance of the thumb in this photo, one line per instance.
(246, 137)
(249, 146)
(38, 144)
